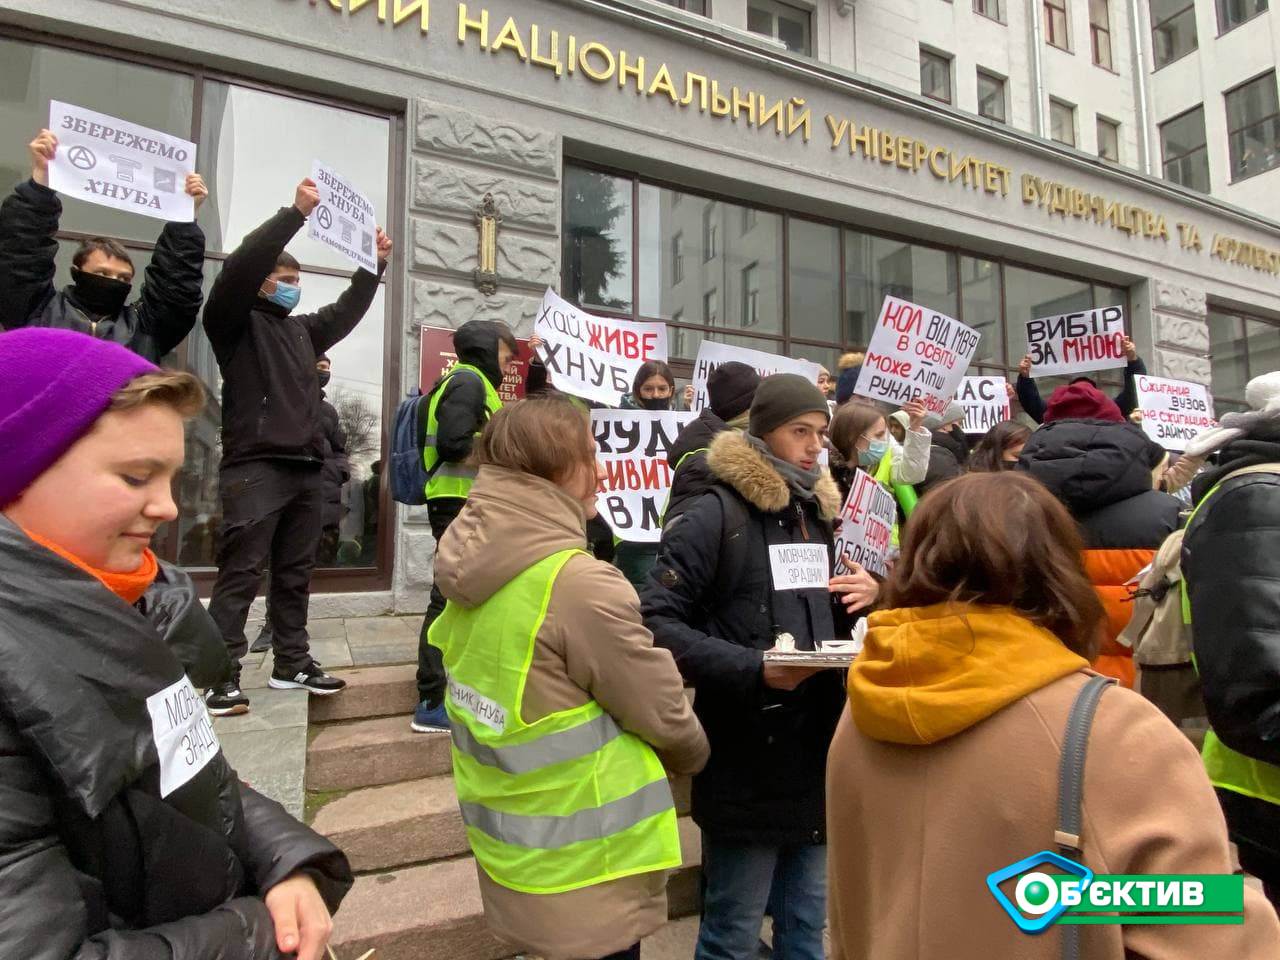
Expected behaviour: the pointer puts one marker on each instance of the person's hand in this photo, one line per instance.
(857, 588)
(1130, 350)
(1024, 366)
(301, 919)
(306, 198)
(916, 411)
(42, 149)
(1009, 392)
(1136, 417)
(782, 676)
(535, 343)
(384, 246)
(688, 396)
(196, 189)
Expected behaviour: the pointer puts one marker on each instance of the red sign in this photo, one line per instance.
(438, 357)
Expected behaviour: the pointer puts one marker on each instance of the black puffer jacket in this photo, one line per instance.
(461, 412)
(1034, 406)
(336, 470)
(765, 779)
(108, 851)
(948, 454)
(152, 326)
(688, 459)
(270, 393)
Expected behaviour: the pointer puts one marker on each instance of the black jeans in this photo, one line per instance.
(631, 953)
(271, 511)
(431, 679)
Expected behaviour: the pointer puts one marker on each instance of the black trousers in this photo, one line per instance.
(631, 953)
(431, 679)
(271, 512)
(1254, 827)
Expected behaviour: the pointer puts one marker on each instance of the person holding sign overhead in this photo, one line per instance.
(102, 272)
(748, 568)
(272, 444)
(1127, 399)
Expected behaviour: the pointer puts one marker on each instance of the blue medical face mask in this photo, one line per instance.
(286, 295)
(874, 453)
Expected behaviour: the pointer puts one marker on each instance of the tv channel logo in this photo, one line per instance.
(1037, 900)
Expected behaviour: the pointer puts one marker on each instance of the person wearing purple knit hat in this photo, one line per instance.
(123, 819)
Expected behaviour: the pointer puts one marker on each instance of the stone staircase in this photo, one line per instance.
(384, 794)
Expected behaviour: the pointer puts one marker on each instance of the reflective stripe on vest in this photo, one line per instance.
(452, 479)
(567, 801)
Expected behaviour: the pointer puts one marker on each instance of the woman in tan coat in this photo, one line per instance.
(944, 769)
(564, 714)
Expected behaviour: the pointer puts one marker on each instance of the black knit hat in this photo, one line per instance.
(783, 397)
(731, 388)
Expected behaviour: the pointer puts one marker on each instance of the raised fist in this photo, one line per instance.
(196, 189)
(384, 246)
(307, 197)
(42, 149)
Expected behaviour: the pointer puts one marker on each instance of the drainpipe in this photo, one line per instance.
(1034, 14)
(1142, 91)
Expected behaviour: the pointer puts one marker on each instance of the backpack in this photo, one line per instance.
(1156, 633)
(408, 474)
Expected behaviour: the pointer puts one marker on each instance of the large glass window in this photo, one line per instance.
(876, 267)
(813, 280)
(935, 75)
(1253, 127)
(1232, 13)
(1241, 348)
(1100, 33)
(1108, 139)
(990, 8)
(1062, 122)
(1186, 157)
(991, 98)
(782, 21)
(981, 306)
(596, 240)
(1173, 30)
(1055, 24)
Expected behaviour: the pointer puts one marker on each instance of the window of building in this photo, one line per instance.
(1232, 13)
(990, 8)
(1253, 127)
(1062, 122)
(1241, 347)
(991, 97)
(935, 75)
(876, 267)
(782, 21)
(748, 219)
(596, 241)
(710, 231)
(710, 308)
(751, 295)
(1108, 139)
(1186, 158)
(677, 258)
(1173, 30)
(1055, 24)
(813, 280)
(1100, 33)
(693, 6)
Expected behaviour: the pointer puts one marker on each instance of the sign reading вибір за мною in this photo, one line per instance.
(1079, 342)
(344, 219)
(1174, 412)
(119, 164)
(633, 446)
(916, 354)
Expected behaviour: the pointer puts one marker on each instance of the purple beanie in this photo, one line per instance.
(54, 384)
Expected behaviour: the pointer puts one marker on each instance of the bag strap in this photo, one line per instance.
(1075, 744)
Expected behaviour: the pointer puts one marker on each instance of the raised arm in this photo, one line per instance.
(1127, 398)
(172, 293)
(28, 222)
(331, 324)
(1028, 392)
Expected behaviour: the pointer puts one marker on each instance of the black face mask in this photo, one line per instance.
(655, 403)
(324, 378)
(99, 295)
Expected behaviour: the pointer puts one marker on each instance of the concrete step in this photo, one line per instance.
(434, 912)
(371, 692)
(411, 822)
(368, 753)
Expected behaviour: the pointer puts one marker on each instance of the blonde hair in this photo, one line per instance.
(179, 391)
(549, 437)
(851, 359)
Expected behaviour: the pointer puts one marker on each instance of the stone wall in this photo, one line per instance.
(1180, 331)
(456, 158)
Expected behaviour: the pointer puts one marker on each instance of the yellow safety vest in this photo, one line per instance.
(568, 801)
(452, 479)
(904, 492)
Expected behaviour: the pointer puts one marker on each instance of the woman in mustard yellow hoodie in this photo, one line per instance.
(945, 766)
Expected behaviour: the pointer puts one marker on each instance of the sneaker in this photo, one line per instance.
(311, 678)
(226, 700)
(429, 719)
(263, 643)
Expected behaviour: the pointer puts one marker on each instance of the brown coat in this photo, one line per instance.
(914, 830)
(591, 645)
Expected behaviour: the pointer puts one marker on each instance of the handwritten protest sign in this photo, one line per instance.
(985, 401)
(632, 445)
(799, 566)
(594, 357)
(437, 357)
(866, 524)
(344, 219)
(712, 355)
(120, 164)
(916, 353)
(1076, 342)
(1174, 412)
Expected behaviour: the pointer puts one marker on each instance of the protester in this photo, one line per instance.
(730, 389)
(846, 383)
(711, 601)
(1231, 565)
(654, 388)
(1127, 400)
(272, 447)
(851, 359)
(543, 645)
(116, 845)
(945, 767)
(826, 383)
(1100, 467)
(949, 448)
(999, 448)
(899, 423)
(462, 401)
(102, 272)
(860, 438)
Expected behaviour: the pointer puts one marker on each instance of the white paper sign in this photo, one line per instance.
(799, 566)
(119, 164)
(633, 446)
(183, 734)
(712, 355)
(489, 712)
(866, 524)
(1077, 342)
(985, 401)
(594, 357)
(344, 219)
(1174, 412)
(916, 353)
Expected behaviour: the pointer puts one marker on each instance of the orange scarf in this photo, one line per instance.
(129, 587)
